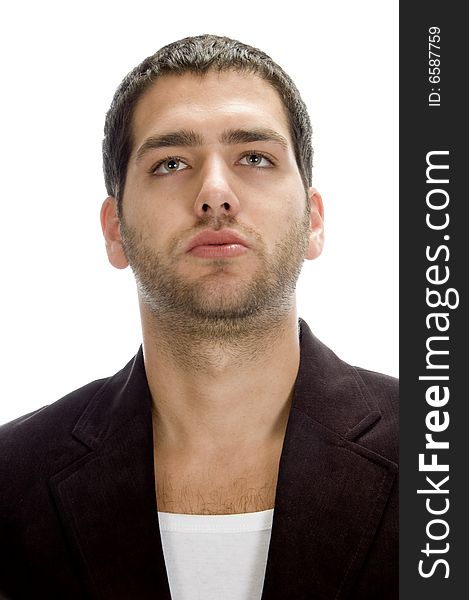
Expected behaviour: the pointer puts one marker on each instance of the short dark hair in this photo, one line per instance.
(198, 55)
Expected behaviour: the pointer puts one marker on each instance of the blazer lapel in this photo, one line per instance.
(107, 499)
(331, 492)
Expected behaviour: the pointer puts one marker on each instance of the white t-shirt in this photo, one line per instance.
(209, 557)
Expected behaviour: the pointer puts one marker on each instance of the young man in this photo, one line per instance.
(235, 456)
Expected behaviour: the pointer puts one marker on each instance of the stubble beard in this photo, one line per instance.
(210, 308)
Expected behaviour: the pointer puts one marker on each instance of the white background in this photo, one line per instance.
(67, 316)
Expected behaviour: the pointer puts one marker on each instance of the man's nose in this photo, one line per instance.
(216, 196)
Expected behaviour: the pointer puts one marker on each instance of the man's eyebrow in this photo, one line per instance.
(183, 137)
(187, 137)
(257, 134)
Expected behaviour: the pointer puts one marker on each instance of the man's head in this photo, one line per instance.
(198, 55)
(211, 210)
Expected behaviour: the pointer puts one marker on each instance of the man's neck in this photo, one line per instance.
(229, 396)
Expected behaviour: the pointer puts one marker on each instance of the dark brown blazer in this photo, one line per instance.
(78, 515)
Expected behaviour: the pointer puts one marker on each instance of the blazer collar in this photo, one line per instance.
(329, 391)
(330, 495)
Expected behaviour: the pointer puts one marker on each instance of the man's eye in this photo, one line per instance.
(169, 165)
(254, 159)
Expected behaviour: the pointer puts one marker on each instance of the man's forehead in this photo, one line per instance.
(190, 101)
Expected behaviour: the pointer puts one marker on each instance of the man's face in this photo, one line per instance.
(215, 219)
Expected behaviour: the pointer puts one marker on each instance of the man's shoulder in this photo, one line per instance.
(37, 445)
(359, 405)
(383, 390)
(341, 384)
(59, 432)
(58, 416)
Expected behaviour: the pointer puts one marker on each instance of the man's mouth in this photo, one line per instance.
(217, 244)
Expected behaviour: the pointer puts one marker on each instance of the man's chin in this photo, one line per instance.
(224, 290)
(223, 308)
(219, 272)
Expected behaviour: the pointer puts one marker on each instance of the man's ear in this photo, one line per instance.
(110, 225)
(316, 234)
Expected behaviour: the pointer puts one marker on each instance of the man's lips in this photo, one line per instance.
(217, 244)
